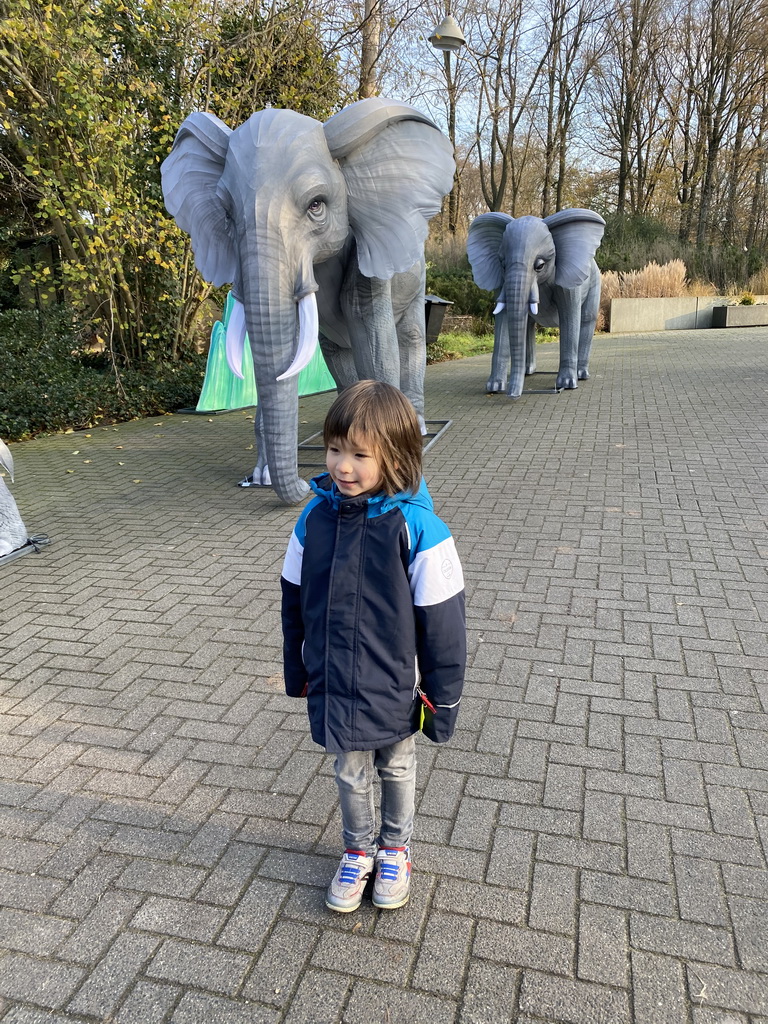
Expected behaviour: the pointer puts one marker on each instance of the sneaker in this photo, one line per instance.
(392, 885)
(345, 893)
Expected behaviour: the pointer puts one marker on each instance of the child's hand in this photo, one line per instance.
(295, 688)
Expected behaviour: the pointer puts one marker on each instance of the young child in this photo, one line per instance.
(374, 630)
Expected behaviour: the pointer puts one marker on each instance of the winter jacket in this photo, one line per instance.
(373, 617)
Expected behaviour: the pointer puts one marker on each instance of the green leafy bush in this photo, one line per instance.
(455, 284)
(459, 346)
(49, 383)
(437, 351)
(462, 345)
(632, 241)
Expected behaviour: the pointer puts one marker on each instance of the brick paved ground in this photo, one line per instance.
(592, 845)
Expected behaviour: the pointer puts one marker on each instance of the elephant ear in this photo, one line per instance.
(484, 249)
(576, 234)
(190, 175)
(397, 165)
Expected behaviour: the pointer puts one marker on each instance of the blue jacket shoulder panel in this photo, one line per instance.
(295, 552)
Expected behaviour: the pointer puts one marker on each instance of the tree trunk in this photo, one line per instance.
(371, 33)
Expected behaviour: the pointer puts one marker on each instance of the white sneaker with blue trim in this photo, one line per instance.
(392, 885)
(345, 893)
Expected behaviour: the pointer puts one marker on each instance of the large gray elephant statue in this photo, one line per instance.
(544, 272)
(320, 228)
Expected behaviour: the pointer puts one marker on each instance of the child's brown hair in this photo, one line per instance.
(388, 422)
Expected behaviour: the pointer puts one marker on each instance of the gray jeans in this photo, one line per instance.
(396, 767)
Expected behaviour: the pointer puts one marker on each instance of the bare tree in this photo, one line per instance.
(674, 92)
(370, 49)
(627, 78)
(373, 42)
(509, 71)
(574, 42)
(756, 219)
(726, 81)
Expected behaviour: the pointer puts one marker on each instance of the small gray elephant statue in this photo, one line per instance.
(321, 229)
(13, 533)
(544, 272)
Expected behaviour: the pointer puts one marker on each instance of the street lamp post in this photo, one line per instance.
(449, 38)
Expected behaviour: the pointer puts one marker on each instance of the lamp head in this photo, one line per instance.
(448, 36)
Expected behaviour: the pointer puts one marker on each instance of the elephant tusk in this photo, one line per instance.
(309, 328)
(6, 459)
(500, 307)
(235, 340)
(533, 298)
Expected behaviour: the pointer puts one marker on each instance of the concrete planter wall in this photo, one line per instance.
(684, 313)
(740, 316)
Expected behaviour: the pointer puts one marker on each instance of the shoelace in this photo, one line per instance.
(349, 873)
(388, 870)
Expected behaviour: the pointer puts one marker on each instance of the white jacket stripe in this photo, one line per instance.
(436, 574)
(292, 562)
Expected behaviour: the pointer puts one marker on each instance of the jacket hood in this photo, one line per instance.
(378, 504)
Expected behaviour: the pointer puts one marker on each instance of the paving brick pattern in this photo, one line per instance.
(591, 846)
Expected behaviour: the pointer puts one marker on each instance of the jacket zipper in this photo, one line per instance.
(331, 576)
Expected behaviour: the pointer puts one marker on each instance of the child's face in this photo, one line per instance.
(354, 465)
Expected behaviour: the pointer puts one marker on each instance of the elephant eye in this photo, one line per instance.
(539, 263)
(316, 208)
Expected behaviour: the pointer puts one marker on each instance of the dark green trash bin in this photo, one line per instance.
(434, 312)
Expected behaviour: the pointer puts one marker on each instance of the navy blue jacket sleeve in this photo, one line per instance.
(293, 640)
(293, 625)
(437, 586)
(442, 652)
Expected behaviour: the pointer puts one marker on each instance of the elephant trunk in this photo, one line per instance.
(522, 298)
(271, 315)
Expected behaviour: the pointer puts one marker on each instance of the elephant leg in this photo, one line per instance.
(569, 313)
(340, 362)
(589, 315)
(367, 306)
(497, 382)
(260, 476)
(412, 347)
(530, 347)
